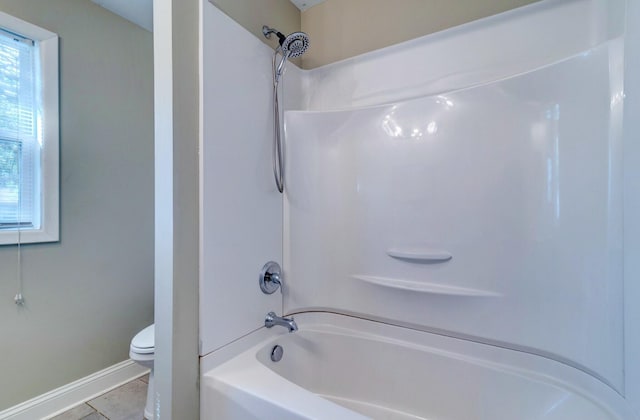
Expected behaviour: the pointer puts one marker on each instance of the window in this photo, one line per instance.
(28, 132)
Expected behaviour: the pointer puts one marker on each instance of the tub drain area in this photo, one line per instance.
(276, 353)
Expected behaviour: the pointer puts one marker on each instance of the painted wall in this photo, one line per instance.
(176, 47)
(279, 14)
(87, 295)
(341, 29)
(344, 28)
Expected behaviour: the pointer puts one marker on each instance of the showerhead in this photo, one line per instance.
(293, 45)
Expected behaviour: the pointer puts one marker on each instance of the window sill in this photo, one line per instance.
(31, 236)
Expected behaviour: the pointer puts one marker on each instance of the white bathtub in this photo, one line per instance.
(338, 367)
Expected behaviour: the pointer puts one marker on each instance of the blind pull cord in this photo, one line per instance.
(19, 298)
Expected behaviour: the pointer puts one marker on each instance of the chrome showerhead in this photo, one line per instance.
(293, 45)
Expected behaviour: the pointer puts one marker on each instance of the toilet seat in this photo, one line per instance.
(144, 341)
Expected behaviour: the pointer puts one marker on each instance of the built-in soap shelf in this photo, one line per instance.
(423, 287)
(420, 255)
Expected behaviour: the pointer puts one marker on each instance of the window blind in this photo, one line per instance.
(19, 147)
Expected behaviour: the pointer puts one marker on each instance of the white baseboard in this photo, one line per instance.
(61, 399)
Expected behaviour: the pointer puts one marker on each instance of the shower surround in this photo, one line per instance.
(452, 224)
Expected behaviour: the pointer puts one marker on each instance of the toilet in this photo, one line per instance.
(142, 351)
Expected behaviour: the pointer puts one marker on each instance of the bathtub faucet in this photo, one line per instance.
(273, 319)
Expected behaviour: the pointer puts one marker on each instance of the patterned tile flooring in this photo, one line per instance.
(123, 403)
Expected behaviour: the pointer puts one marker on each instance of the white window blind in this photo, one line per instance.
(19, 139)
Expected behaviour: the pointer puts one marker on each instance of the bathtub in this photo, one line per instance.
(340, 367)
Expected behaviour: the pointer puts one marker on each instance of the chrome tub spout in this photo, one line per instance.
(273, 319)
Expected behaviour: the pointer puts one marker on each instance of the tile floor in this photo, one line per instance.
(123, 403)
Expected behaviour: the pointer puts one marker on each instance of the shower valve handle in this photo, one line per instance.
(271, 278)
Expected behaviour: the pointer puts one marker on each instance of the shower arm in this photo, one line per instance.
(267, 32)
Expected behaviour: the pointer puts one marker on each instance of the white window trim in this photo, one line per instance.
(49, 230)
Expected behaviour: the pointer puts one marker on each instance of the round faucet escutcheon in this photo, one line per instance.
(270, 278)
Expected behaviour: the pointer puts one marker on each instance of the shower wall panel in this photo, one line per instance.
(241, 209)
(475, 53)
(492, 213)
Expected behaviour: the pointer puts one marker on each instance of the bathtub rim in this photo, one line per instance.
(515, 362)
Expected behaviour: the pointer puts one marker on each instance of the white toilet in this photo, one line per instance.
(142, 351)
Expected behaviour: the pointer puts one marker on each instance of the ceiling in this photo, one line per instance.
(305, 4)
(140, 12)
